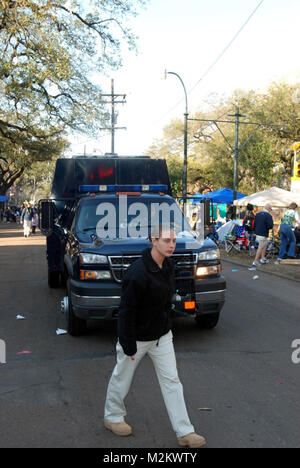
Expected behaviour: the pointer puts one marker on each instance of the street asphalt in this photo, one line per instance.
(240, 383)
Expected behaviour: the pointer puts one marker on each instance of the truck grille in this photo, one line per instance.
(119, 265)
(185, 264)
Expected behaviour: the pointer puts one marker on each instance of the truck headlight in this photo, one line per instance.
(89, 258)
(95, 275)
(208, 270)
(212, 254)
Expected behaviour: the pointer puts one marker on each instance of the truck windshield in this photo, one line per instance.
(124, 217)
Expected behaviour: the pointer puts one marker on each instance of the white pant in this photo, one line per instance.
(27, 227)
(163, 358)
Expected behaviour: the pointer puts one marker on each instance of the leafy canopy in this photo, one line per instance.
(51, 52)
(264, 158)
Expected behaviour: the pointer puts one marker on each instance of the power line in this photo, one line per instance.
(217, 59)
(227, 47)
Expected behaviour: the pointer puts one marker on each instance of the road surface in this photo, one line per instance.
(53, 395)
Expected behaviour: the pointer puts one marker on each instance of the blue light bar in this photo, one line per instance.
(123, 188)
(88, 188)
(158, 188)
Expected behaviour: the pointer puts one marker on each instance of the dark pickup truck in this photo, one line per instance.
(97, 223)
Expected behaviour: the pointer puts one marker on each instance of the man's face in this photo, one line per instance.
(166, 244)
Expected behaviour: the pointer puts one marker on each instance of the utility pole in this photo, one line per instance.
(113, 118)
(185, 139)
(115, 99)
(237, 116)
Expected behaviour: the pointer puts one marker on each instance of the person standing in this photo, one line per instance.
(248, 221)
(262, 224)
(26, 218)
(7, 214)
(230, 213)
(35, 220)
(144, 327)
(287, 236)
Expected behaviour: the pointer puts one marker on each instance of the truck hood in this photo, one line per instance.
(137, 245)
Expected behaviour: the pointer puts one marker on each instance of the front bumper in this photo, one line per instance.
(95, 300)
(102, 300)
(209, 296)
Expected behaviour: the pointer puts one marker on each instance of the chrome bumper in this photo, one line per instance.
(91, 302)
(210, 296)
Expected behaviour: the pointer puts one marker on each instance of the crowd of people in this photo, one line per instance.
(27, 215)
(10, 214)
(261, 223)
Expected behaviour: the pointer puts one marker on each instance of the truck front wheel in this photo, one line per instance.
(207, 321)
(53, 279)
(75, 325)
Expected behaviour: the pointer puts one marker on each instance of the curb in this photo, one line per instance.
(264, 271)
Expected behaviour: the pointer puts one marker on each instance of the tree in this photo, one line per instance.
(15, 159)
(171, 148)
(36, 183)
(51, 50)
(263, 156)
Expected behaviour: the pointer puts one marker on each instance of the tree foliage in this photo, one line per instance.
(264, 159)
(51, 51)
(35, 183)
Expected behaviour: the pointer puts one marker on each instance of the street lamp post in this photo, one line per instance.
(184, 177)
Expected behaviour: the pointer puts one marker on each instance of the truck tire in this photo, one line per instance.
(53, 279)
(64, 278)
(75, 325)
(207, 321)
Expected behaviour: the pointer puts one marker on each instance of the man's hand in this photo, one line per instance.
(132, 358)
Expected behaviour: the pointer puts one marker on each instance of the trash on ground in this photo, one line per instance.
(24, 352)
(20, 317)
(204, 409)
(255, 277)
(60, 331)
(235, 270)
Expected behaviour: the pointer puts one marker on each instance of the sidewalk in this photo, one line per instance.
(291, 272)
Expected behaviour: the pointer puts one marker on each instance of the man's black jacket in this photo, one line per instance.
(146, 302)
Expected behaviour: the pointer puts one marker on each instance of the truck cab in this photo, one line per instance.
(98, 223)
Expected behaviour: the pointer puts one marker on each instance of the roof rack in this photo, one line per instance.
(151, 188)
(107, 155)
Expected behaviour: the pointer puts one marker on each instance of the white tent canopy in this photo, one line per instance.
(275, 196)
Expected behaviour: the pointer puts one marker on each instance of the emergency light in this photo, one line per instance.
(123, 188)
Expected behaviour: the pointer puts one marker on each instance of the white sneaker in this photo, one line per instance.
(264, 260)
(255, 264)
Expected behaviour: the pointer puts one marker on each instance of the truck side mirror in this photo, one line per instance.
(46, 216)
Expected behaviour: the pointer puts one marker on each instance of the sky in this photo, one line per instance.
(186, 37)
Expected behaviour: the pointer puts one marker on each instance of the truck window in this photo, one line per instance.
(129, 217)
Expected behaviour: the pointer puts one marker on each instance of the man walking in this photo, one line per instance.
(144, 327)
(262, 224)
